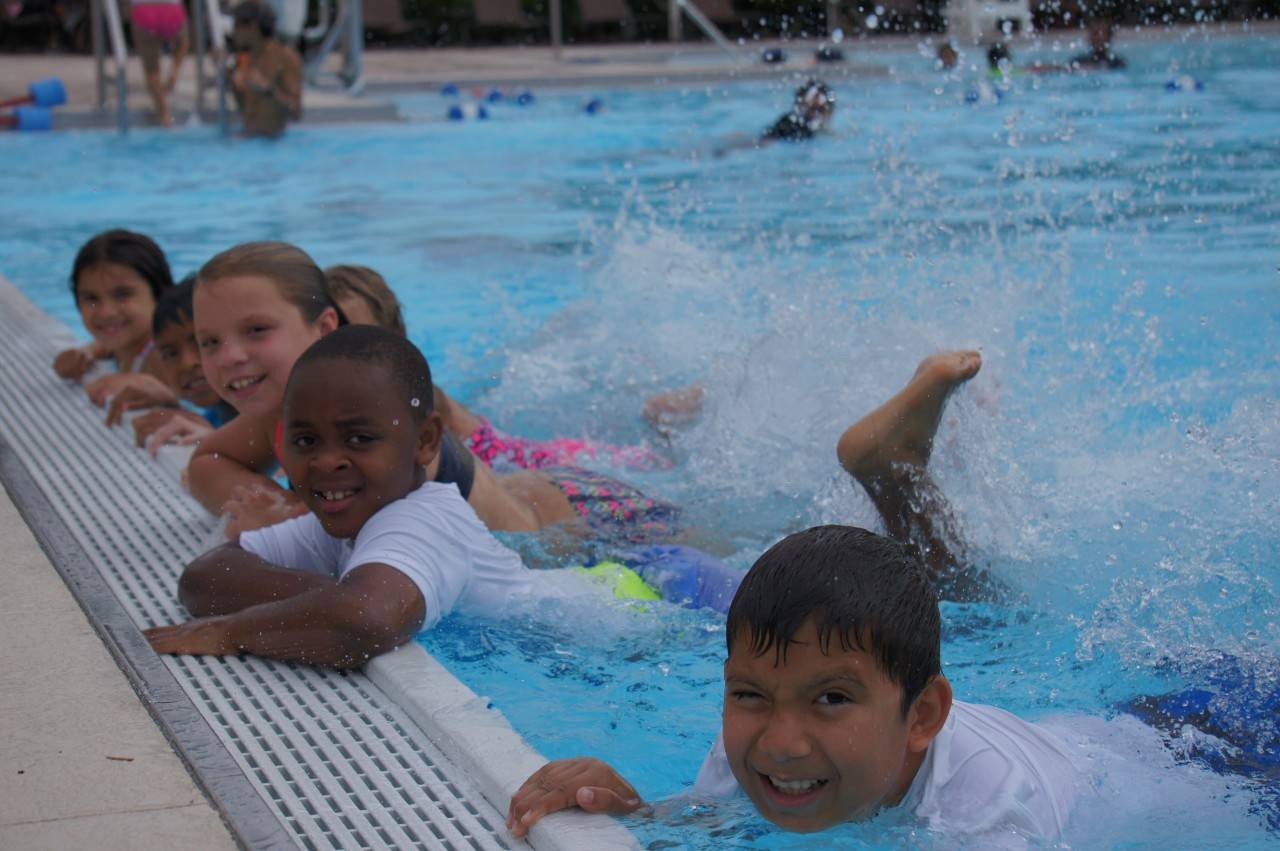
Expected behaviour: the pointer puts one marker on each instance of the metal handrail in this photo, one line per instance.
(106, 14)
(704, 23)
(347, 33)
(208, 14)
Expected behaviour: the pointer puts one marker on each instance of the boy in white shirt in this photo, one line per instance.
(382, 553)
(836, 708)
(835, 704)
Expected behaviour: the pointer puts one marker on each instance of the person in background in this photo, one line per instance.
(157, 23)
(947, 56)
(812, 109)
(1100, 56)
(267, 78)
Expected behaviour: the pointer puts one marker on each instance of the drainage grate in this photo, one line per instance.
(338, 764)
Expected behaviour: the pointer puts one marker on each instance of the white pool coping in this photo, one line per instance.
(318, 767)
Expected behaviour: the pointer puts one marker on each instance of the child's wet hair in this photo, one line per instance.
(175, 305)
(137, 251)
(867, 590)
(299, 280)
(366, 284)
(376, 345)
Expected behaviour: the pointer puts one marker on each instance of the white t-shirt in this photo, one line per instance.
(985, 771)
(431, 536)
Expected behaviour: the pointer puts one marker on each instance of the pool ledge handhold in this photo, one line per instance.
(480, 741)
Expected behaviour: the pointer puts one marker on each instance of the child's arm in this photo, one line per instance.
(247, 605)
(582, 782)
(238, 454)
(159, 426)
(129, 391)
(74, 363)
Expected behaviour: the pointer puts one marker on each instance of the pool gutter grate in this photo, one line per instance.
(401, 755)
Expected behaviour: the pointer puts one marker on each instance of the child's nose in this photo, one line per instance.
(331, 461)
(784, 737)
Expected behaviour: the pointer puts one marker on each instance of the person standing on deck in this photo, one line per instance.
(267, 79)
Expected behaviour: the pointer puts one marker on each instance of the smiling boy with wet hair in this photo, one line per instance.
(836, 708)
(381, 552)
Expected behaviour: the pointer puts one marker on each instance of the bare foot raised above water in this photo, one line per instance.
(900, 432)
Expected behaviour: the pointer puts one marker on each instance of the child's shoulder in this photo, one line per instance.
(992, 766)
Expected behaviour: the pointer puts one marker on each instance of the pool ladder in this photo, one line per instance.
(108, 28)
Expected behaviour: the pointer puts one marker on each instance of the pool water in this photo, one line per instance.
(1109, 244)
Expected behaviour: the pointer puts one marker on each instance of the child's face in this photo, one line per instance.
(818, 739)
(116, 304)
(350, 443)
(179, 362)
(249, 338)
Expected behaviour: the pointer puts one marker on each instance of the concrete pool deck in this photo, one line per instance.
(83, 763)
(398, 70)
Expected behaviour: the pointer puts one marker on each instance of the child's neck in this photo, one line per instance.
(126, 355)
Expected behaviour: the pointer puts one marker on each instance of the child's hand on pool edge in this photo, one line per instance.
(582, 782)
(198, 637)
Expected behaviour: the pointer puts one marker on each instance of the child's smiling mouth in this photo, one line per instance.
(334, 500)
(240, 386)
(791, 793)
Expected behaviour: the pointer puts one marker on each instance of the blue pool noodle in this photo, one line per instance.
(48, 93)
(33, 119)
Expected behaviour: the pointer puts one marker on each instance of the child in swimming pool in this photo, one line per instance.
(365, 297)
(382, 551)
(178, 361)
(116, 279)
(155, 24)
(836, 708)
(257, 308)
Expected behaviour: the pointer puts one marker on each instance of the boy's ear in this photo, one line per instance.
(928, 713)
(430, 434)
(327, 321)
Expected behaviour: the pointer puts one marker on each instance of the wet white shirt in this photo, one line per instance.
(986, 772)
(431, 535)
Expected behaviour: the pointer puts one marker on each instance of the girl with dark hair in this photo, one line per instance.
(116, 279)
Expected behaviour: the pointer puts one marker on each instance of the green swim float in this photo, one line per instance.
(625, 582)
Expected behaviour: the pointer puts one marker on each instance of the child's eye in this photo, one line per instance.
(834, 698)
(167, 353)
(743, 695)
(360, 439)
(122, 294)
(208, 344)
(259, 329)
(303, 441)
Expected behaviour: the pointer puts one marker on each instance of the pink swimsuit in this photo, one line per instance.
(490, 446)
(161, 20)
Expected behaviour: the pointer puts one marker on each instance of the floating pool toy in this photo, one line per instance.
(681, 575)
(525, 98)
(465, 111)
(28, 119)
(449, 90)
(494, 95)
(593, 106)
(42, 93)
(983, 94)
(1185, 83)
(625, 583)
(686, 576)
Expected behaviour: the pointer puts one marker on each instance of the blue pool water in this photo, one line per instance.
(1110, 245)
